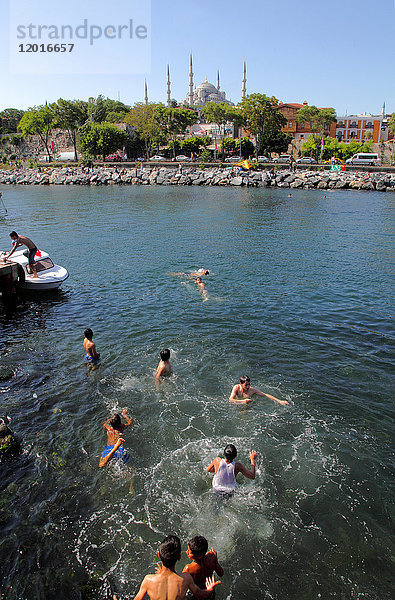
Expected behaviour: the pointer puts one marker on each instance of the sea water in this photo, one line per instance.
(299, 297)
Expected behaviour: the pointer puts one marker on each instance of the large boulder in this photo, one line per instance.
(236, 181)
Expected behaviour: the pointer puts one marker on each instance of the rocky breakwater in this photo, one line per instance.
(323, 180)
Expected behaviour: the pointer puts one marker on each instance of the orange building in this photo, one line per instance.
(361, 128)
(300, 131)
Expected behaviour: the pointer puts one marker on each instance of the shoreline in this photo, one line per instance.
(283, 178)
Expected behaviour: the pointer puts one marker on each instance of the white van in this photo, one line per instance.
(363, 158)
(65, 156)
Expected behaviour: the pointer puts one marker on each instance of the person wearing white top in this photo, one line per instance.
(226, 469)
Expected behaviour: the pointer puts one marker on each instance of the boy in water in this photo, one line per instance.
(164, 367)
(226, 469)
(243, 391)
(166, 584)
(91, 355)
(203, 563)
(115, 428)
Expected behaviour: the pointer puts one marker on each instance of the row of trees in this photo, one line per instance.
(152, 125)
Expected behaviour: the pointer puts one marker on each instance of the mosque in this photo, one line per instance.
(205, 92)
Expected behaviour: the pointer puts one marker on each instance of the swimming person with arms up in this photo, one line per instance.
(114, 448)
(226, 469)
(243, 392)
(166, 584)
(92, 355)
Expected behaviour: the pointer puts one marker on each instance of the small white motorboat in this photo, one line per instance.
(50, 276)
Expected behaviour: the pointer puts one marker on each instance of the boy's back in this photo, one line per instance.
(164, 585)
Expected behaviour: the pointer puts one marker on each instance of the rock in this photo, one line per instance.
(298, 183)
(236, 181)
(322, 185)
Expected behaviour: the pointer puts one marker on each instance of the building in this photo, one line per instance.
(299, 131)
(361, 128)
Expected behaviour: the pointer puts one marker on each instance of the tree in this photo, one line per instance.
(193, 144)
(101, 138)
(70, 115)
(263, 119)
(319, 120)
(142, 117)
(39, 120)
(174, 121)
(96, 109)
(275, 140)
(221, 114)
(9, 119)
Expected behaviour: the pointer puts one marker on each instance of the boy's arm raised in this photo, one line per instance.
(196, 591)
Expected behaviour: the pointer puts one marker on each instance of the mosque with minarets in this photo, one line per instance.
(203, 93)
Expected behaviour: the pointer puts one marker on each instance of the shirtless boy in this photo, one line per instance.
(203, 563)
(21, 240)
(243, 392)
(92, 355)
(226, 469)
(166, 584)
(115, 428)
(164, 367)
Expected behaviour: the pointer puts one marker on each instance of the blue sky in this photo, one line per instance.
(339, 53)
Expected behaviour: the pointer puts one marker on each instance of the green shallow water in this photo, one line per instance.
(299, 297)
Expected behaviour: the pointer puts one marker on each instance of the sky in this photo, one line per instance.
(338, 54)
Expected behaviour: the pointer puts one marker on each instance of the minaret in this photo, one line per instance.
(243, 87)
(145, 92)
(383, 111)
(218, 80)
(168, 87)
(190, 95)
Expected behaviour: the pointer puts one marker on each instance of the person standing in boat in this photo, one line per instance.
(21, 240)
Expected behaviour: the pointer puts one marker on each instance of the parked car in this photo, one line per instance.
(336, 161)
(364, 158)
(306, 160)
(283, 158)
(157, 157)
(233, 159)
(263, 159)
(113, 158)
(182, 157)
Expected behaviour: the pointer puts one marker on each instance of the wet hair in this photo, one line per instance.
(165, 354)
(244, 379)
(88, 333)
(13, 234)
(170, 551)
(198, 279)
(198, 545)
(206, 272)
(115, 421)
(230, 452)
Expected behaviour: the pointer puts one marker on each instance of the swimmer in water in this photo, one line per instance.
(164, 368)
(166, 583)
(192, 274)
(92, 356)
(243, 391)
(115, 428)
(199, 282)
(226, 469)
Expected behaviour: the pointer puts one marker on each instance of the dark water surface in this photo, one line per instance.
(299, 297)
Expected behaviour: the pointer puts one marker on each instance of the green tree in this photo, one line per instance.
(319, 120)
(9, 119)
(262, 118)
(39, 120)
(101, 138)
(174, 121)
(221, 114)
(70, 115)
(193, 144)
(143, 117)
(96, 109)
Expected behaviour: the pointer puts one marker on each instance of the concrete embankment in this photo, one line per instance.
(379, 181)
